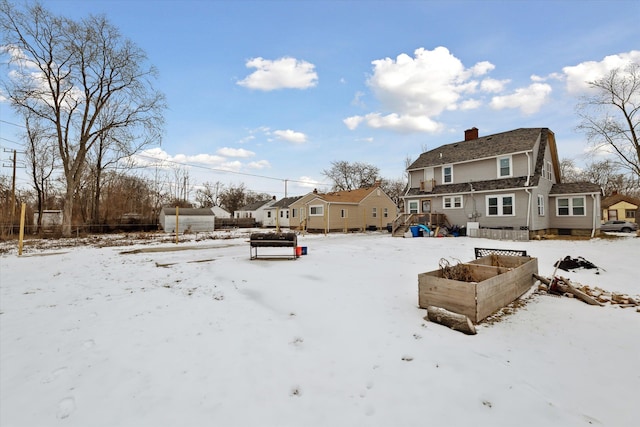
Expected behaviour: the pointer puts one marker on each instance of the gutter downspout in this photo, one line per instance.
(327, 218)
(595, 211)
(528, 168)
(528, 209)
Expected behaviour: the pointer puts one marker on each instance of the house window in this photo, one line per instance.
(629, 213)
(281, 214)
(316, 210)
(540, 205)
(546, 170)
(504, 167)
(453, 202)
(447, 174)
(374, 212)
(385, 213)
(500, 205)
(268, 214)
(413, 207)
(293, 213)
(343, 213)
(571, 206)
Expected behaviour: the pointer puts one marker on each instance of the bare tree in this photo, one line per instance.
(82, 78)
(605, 173)
(395, 189)
(40, 151)
(611, 119)
(350, 176)
(181, 185)
(233, 197)
(568, 171)
(209, 194)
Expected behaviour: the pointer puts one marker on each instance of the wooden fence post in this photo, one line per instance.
(21, 237)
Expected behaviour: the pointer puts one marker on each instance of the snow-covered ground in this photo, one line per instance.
(203, 336)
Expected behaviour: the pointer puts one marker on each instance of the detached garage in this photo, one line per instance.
(190, 220)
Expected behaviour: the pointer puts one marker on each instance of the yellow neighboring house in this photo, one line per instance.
(354, 210)
(620, 207)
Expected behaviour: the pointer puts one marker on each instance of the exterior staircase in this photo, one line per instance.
(403, 221)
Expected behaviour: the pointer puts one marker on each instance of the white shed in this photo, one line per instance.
(188, 220)
(220, 213)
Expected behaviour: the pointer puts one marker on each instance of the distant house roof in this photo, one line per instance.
(575, 188)
(189, 211)
(285, 202)
(348, 196)
(218, 211)
(513, 141)
(254, 206)
(617, 198)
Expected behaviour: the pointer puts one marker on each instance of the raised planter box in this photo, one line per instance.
(501, 280)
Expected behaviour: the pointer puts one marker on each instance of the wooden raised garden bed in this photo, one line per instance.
(494, 282)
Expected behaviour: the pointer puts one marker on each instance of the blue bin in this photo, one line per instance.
(415, 231)
(304, 250)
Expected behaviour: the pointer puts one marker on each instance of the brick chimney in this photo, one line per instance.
(470, 134)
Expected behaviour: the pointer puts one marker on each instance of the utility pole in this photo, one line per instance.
(13, 189)
(13, 192)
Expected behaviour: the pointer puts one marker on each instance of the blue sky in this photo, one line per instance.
(275, 90)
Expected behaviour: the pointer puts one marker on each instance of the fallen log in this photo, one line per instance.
(457, 322)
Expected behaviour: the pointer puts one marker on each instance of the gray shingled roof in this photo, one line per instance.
(285, 202)
(254, 206)
(575, 188)
(189, 211)
(513, 141)
(465, 187)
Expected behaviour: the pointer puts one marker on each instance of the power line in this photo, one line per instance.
(13, 124)
(226, 170)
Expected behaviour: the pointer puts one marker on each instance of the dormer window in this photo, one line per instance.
(504, 167)
(447, 174)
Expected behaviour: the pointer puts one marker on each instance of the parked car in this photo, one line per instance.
(624, 226)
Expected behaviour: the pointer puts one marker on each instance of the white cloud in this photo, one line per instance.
(291, 136)
(283, 73)
(308, 182)
(157, 157)
(261, 164)
(528, 99)
(578, 76)
(368, 139)
(470, 104)
(235, 152)
(493, 86)
(357, 99)
(415, 90)
(353, 122)
(397, 122)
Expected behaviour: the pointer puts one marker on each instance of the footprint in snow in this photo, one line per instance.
(54, 375)
(66, 407)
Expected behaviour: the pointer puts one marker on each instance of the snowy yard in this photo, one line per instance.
(94, 336)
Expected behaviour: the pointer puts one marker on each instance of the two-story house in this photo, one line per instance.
(509, 181)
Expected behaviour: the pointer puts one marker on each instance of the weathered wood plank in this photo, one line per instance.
(496, 287)
(459, 297)
(501, 290)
